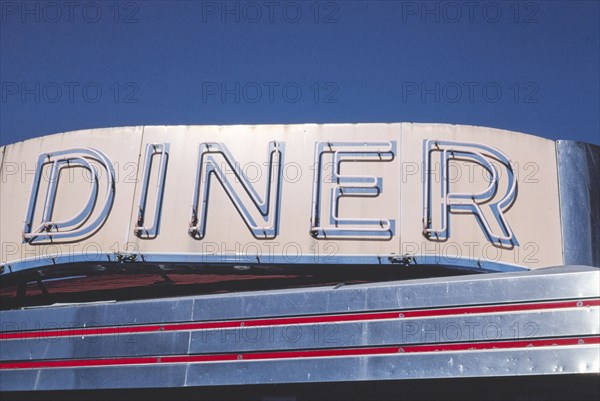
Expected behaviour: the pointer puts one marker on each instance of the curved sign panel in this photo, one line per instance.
(400, 193)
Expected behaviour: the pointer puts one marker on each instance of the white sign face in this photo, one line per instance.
(304, 194)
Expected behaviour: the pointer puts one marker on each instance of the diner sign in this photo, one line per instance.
(351, 194)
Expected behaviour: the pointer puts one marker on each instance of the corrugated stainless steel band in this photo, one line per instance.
(503, 295)
(569, 282)
(579, 185)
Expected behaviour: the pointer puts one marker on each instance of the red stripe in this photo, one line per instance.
(335, 318)
(77, 363)
(318, 353)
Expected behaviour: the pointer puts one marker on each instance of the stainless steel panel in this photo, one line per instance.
(94, 378)
(452, 364)
(509, 326)
(566, 283)
(120, 146)
(531, 361)
(97, 314)
(579, 183)
(124, 344)
(533, 218)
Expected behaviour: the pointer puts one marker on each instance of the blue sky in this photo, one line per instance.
(530, 66)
